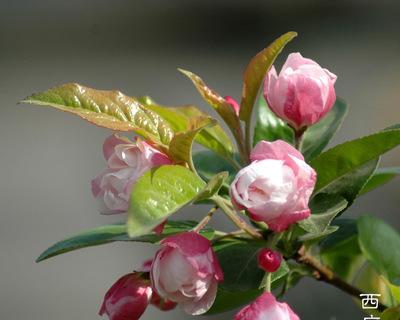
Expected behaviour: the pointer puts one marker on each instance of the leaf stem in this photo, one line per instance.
(205, 220)
(248, 137)
(323, 273)
(242, 142)
(227, 208)
(232, 234)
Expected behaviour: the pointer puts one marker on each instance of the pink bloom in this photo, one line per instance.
(127, 299)
(269, 260)
(276, 187)
(156, 300)
(186, 271)
(266, 307)
(302, 93)
(126, 162)
(233, 104)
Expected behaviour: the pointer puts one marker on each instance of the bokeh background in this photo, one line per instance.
(48, 158)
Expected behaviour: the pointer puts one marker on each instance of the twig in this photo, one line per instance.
(325, 274)
(205, 220)
(238, 221)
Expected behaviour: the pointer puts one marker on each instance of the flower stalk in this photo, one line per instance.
(227, 208)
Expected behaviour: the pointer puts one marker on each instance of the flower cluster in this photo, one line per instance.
(277, 186)
(274, 188)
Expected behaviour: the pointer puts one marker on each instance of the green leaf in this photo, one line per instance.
(223, 108)
(391, 314)
(228, 300)
(343, 246)
(238, 260)
(180, 147)
(255, 72)
(212, 186)
(282, 271)
(213, 138)
(109, 109)
(368, 280)
(380, 177)
(380, 244)
(295, 274)
(317, 137)
(208, 164)
(269, 127)
(345, 168)
(318, 235)
(323, 213)
(395, 290)
(159, 193)
(117, 232)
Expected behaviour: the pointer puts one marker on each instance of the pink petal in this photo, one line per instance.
(110, 143)
(278, 150)
(204, 304)
(189, 243)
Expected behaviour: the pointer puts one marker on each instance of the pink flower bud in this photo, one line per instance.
(126, 162)
(276, 187)
(185, 270)
(269, 260)
(266, 307)
(233, 104)
(128, 298)
(302, 93)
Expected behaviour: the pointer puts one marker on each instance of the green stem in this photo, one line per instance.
(298, 137)
(267, 287)
(227, 208)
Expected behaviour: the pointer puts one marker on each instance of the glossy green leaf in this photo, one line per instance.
(223, 108)
(180, 147)
(117, 232)
(343, 246)
(317, 137)
(109, 109)
(354, 161)
(256, 70)
(238, 260)
(269, 127)
(159, 193)
(391, 314)
(213, 138)
(379, 178)
(380, 244)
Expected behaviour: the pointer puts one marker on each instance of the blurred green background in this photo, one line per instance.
(48, 158)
